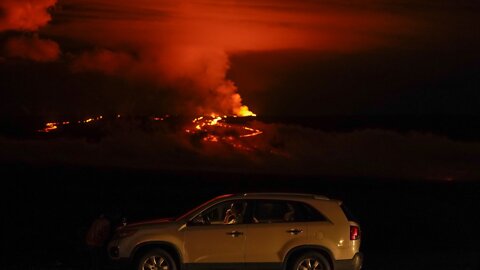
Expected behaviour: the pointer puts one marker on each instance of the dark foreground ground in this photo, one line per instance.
(406, 224)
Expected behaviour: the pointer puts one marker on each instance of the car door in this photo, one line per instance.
(212, 242)
(274, 230)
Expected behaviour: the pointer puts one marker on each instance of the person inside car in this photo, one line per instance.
(290, 214)
(233, 214)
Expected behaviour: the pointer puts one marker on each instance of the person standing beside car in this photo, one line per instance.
(96, 238)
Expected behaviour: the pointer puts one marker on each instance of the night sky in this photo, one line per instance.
(337, 85)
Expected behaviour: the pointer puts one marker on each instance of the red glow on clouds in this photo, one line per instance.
(198, 74)
(231, 26)
(25, 15)
(41, 50)
(185, 45)
(103, 61)
(28, 15)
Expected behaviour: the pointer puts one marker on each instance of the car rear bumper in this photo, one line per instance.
(353, 264)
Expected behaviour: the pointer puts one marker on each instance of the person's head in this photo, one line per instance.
(236, 208)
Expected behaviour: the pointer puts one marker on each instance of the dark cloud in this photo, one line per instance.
(32, 48)
(103, 61)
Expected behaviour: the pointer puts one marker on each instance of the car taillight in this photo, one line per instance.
(354, 233)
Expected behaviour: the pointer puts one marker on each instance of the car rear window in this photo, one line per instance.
(348, 213)
(308, 213)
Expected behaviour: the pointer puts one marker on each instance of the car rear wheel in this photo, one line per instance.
(156, 259)
(311, 261)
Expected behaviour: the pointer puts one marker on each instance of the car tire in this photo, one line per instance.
(155, 259)
(311, 261)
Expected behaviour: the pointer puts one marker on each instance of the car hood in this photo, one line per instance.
(149, 222)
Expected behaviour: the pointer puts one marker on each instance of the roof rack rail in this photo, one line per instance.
(314, 196)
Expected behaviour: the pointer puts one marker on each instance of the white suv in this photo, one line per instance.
(247, 231)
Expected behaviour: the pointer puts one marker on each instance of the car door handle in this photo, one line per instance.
(234, 233)
(294, 231)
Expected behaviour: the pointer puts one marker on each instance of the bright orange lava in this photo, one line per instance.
(211, 128)
(214, 128)
(53, 126)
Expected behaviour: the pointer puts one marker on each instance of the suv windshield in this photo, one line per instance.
(201, 206)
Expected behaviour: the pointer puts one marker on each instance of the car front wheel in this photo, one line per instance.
(311, 261)
(156, 259)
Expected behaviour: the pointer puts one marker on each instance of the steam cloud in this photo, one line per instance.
(24, 15)
(191, 71)
(185, 45)
(28, 15)
(41, 50)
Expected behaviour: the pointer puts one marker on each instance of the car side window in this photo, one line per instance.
(225, 213)
(277, 211)
(269, 211)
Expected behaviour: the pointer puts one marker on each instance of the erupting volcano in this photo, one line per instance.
(216, 128)
(229, 130)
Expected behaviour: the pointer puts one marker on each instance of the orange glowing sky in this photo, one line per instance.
(281, 58)
(227, 25)
(185, 47)
(186, 44)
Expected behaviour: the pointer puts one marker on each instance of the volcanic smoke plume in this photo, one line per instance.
(24, 15)
(34, 48)
(197, 74)
(183, 47)
(27, 16)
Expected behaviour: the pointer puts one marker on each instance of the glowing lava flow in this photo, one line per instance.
(88, 120)
(211, 128)
(53, 126)
(215, 128)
